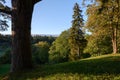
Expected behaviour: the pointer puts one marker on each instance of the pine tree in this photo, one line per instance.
(76, 38)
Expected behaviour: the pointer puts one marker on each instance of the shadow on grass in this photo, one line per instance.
(107, 65)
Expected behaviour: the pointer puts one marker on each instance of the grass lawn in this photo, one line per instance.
(4, 69)
(106, 67)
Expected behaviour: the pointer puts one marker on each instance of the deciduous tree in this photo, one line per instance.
(103, 17)
(21, 15)
(60, 48)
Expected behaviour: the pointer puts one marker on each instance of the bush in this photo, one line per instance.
(86, 55)
(40, 53)
(6, 57)
(56, 58)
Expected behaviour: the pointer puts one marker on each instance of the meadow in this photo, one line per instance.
(105, 67)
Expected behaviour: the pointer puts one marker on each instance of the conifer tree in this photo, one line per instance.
(76, 38)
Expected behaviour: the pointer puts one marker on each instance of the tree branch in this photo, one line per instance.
(6, 10)
(35, 1)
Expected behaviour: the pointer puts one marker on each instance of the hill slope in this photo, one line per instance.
(105, 67)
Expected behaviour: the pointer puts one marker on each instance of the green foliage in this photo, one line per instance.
(5, 43)
(5, 40)
(98, 45)
(59, 50)
(103, 18)
(76, 38)
(5, 49)
(40, 52)
(85, 55)
(6, 57)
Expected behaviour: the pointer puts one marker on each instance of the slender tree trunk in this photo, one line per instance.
(79, 52)
(114, 33)
(114, 40)
(21, 32)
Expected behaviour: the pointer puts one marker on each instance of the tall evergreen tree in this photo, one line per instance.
(76, 38)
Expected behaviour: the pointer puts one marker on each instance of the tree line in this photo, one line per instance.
(39, 44)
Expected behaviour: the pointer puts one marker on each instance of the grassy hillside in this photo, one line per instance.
(105, 67)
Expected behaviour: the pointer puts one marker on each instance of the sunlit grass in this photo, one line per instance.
(103, 56)
(71, 76)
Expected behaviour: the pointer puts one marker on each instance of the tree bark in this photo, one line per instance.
(79, 54)
(114, 40)
(115, 29)
(21, 32)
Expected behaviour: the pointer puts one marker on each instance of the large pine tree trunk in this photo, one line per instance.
(21, 32)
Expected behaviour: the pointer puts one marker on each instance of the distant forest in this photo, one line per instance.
(6, 40)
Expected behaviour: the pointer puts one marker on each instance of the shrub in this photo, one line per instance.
(57, 58)
(85, 55)
(40, 53)
(6, 57)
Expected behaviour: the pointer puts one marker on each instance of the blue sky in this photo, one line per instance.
(51, 16)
